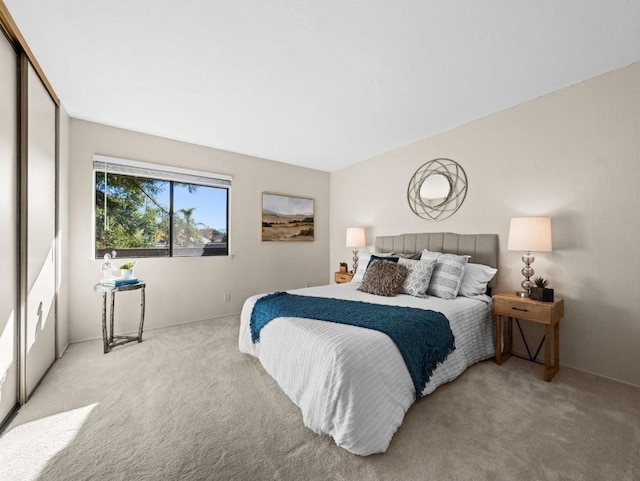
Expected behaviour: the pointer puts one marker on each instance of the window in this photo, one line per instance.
(146, 210)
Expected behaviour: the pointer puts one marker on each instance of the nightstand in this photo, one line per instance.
(509, 306)
(342, 277)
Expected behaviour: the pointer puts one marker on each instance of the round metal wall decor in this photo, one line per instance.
(437, 189)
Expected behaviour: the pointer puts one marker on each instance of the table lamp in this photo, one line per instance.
(529, 234)
(355, 238)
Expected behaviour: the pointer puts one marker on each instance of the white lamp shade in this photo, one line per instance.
(530, 234)
(355, 237)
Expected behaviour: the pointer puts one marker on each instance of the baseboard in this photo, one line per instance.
(10, 417)
(146, 329)
(64, 349)
(602, 376)
(523, 355)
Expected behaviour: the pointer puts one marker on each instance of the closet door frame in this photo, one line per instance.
(23, 152)
(16, 232)
(23, 188)
(24, 57)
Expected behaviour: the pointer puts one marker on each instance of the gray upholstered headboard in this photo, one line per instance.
(483, 248)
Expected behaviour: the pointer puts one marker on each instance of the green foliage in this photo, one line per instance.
(134, 217)
(540, 282)
(185, 229)
(127, 265)
(343, 264)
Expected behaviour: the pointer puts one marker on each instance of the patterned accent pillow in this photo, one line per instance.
(383, 278)
(447, 275)
(417, 280)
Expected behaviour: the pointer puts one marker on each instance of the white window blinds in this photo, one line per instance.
(114, 165)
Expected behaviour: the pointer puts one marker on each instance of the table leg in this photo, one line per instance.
(503, 349)
(498, 318)
(142, 303)
(105, 340)
(508, 341)
(551, 334)
(556, 344)
(113, 305)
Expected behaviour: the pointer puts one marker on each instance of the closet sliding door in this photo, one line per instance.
(8, 228)
(39, 192)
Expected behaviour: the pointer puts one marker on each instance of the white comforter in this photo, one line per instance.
(352, 383)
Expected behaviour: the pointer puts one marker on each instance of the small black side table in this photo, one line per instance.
(109, 339)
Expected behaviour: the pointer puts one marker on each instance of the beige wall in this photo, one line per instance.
(181, 290)
(573, 155)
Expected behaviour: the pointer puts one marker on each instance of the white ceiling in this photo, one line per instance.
(321, 84)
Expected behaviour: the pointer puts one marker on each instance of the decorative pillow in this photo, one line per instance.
(475, 279)
(364, 256)
(383, 278)
(382, 257)
(447, 275)
(417, 280)
(427, 251)
(407, 256)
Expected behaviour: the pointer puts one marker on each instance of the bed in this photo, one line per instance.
(352, 383)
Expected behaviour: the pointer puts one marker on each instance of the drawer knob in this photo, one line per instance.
(521, 310)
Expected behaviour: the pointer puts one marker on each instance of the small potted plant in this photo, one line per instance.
(540, 291)
(343, 267)
(126, 270)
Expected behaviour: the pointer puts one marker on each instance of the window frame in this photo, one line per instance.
(132, 168)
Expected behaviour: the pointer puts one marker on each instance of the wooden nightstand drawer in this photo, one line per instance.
(342, 277)
(528, 311)
(525, 308)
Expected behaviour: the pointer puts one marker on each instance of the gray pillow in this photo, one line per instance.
(447, 275)
(383, 278)
(417, 280)
(475, 279)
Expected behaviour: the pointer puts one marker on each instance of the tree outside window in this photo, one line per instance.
(134, 216)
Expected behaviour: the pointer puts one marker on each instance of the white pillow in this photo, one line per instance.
(364, 256)
(475, 279)
(418, 278)
(447, 275)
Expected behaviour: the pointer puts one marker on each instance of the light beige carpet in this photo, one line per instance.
(185, 404)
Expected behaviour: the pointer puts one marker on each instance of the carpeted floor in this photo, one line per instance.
(185, 404)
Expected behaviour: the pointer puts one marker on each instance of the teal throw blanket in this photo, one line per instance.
(423, 337)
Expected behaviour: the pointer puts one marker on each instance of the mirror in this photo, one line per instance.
(435, 187)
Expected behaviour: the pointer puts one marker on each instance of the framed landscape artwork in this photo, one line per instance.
(286, 218)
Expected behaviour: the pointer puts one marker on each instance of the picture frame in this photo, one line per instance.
(287, 218)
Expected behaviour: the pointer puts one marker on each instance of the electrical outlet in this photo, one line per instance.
(227, 297)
